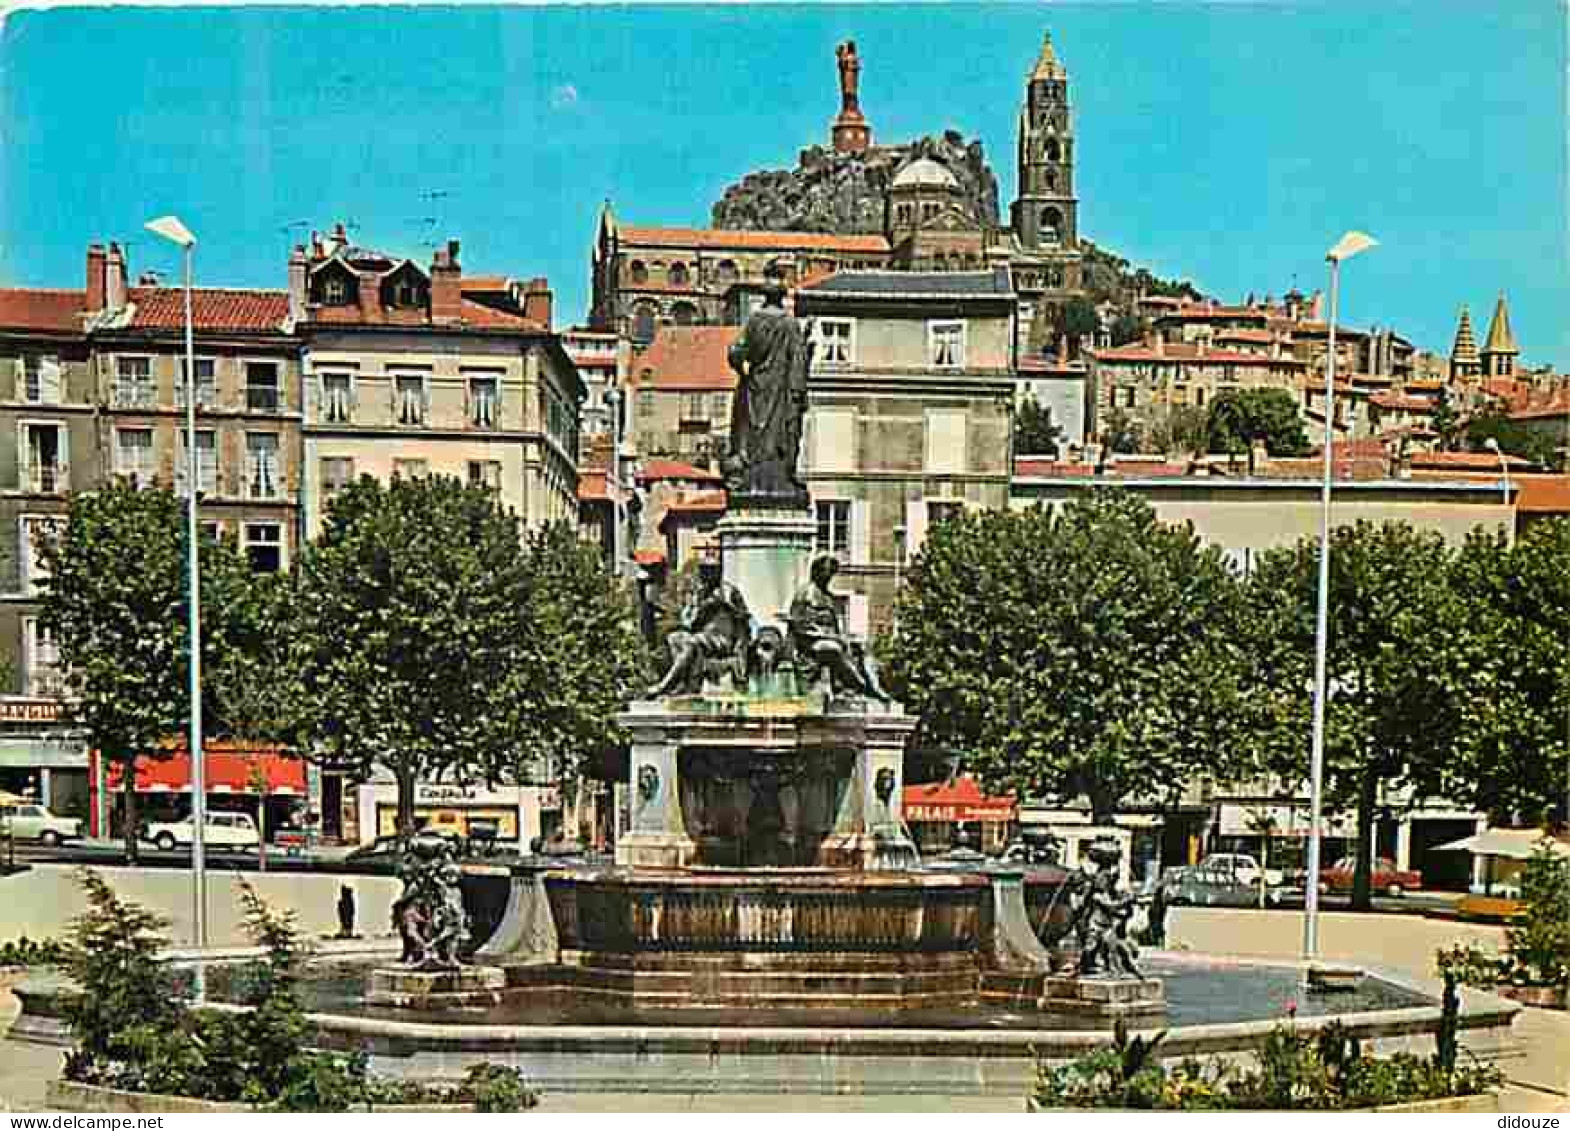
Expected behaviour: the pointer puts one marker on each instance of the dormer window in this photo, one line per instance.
(334, 292)
(406, 294)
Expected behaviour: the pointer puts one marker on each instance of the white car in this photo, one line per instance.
(1243, 867)
(34, 822)
(222, 830)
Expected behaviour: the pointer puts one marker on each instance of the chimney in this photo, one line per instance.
(370, 291)
(318, 252)
(114, 279)
(338, 239)
(446, 284)
(1316, 308)
(297, 273)
(95, 278)
(537, 302)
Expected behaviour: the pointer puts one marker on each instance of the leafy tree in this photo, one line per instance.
(1508, 684)
(1393, 621)
(1447, 421)
(1240, 417)
(1034, 430)
(115, 600)
(1181, 428)
(1513, 437)
(1121, 433)
(1087, 651)
(1128, 328)
(412, 644)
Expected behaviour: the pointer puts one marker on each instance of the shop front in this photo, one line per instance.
(513, 812)
(256, 780)
(40, 758)
(942, 814)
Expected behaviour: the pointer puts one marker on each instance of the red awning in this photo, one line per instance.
(958, 800)
(229, 769)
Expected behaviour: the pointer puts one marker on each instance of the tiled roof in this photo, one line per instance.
(26, 308)
(720, 238)
(212, 308)
(1354, 468)
(1466, 461)
(703, 504)
(686, 357)
(1507, 388)
(478, 314)
(1192, 311)
(656, 470)
(1364, 447)
(1027, 468)
(1186, 352)
(1543, 494)
(1400, 402)
(1264, 336)
(1035, 363)
(1555, 404)
(912, 284)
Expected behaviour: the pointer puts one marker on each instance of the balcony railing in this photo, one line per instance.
(134, 394)
(262, 481)
(261, 398)
(46, 478)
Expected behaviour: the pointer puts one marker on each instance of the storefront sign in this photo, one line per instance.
(30, 710)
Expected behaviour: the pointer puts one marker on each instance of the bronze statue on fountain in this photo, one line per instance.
(771, 358)
(713, 639)
(819, 641)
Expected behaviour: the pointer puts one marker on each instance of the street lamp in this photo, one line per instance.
(171, 229)
(1504, 465)
(1346, 247)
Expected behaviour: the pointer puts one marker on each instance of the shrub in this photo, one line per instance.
(496, 1087)
(25, 952)
(1539, 938)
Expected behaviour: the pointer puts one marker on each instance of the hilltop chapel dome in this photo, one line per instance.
(924, 172)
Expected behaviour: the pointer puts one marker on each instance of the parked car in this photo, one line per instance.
(1243, 866)
(1206, 886)
(35, 822)
(1386, 877)
(221, 831)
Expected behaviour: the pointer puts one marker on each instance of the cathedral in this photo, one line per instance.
(916, 207)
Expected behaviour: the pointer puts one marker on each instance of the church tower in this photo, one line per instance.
(1499, 351)
(1465, 364)
(1044, 214)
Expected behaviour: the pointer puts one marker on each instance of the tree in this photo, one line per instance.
(1447, 421)
(412, 635)
(115, 601)
(1513, 437)
(1121, 433)
(1240, 417)
(1128, 328)
(1394, 620)
(1088, 651)
(1034, 430)
(1181, 428)
(1509, 687)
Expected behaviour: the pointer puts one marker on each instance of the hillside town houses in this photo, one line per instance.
(927, 334)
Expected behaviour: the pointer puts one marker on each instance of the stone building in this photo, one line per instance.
(679, 394)
(910, 410)
(413, 371)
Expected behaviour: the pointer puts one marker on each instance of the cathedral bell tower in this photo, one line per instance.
(1044, 215)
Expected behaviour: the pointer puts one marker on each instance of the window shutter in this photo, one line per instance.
(915, 527)
(49, 379)
(860, 532)
(19, 378)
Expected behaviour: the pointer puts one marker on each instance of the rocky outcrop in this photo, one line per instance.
(844, 192)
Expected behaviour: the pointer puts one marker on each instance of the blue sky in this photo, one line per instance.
(1229, 143)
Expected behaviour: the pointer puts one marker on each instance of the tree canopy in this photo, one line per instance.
(1240, 417)
(1086, 651)
(1035, 433)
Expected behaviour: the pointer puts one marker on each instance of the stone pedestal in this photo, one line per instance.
(766, 553)
(1104, 997)
(658, 837)
(436, 989)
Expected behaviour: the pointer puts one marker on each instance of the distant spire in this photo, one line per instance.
(1500, 339)
(1047, 67)
(1465, 350)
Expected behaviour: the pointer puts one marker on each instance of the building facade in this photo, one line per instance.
(910, 402)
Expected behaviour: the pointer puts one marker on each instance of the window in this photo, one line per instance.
(719, 409)
(1125, 394)
(206, 463)
(678, 274)
(206, 383)
(44, 469)
(638, 271)
(947, 451)
(643, 322)
(337, 473)
(836, 341)
(36, 531)
(902, 216)
(408, 293)
(485, 473)
(946, 344)
(133, 455)
(411, 468)
(930, 210)
(725, 271)
(261, 449)
(694, 408)
(41, 379)
(211, 531)
(941, 510)
(684, 314)
(264, 546)
(261, 386)
(133, 382)
(1051, 151)
(833, 440)
(44, 678)
(1051, 225)
(833, 535)
(335, 291)
(483, 401)
(409, 398)
(646, 404)
(337, 397)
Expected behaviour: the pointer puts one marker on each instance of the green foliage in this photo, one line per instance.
(1121, 433)
(1447, 421)
(1181, 428)
(115, 599)
(1111, 278)
(496, 1088)
(1513, 437)
(1089, 650)
(1294, 1070)
(1467, 964)
(1539, 938)
(1237, 418)
(1128, 328)
(1034, 431)
(25, 952)
(1394, 622)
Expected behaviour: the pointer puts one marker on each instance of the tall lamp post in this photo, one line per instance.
(1346, 247)
(1504, 465)
(170, 228)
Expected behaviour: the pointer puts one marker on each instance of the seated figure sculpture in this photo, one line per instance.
(819, 641)
(715, 631)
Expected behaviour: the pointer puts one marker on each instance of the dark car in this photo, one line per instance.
(1199, 886)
